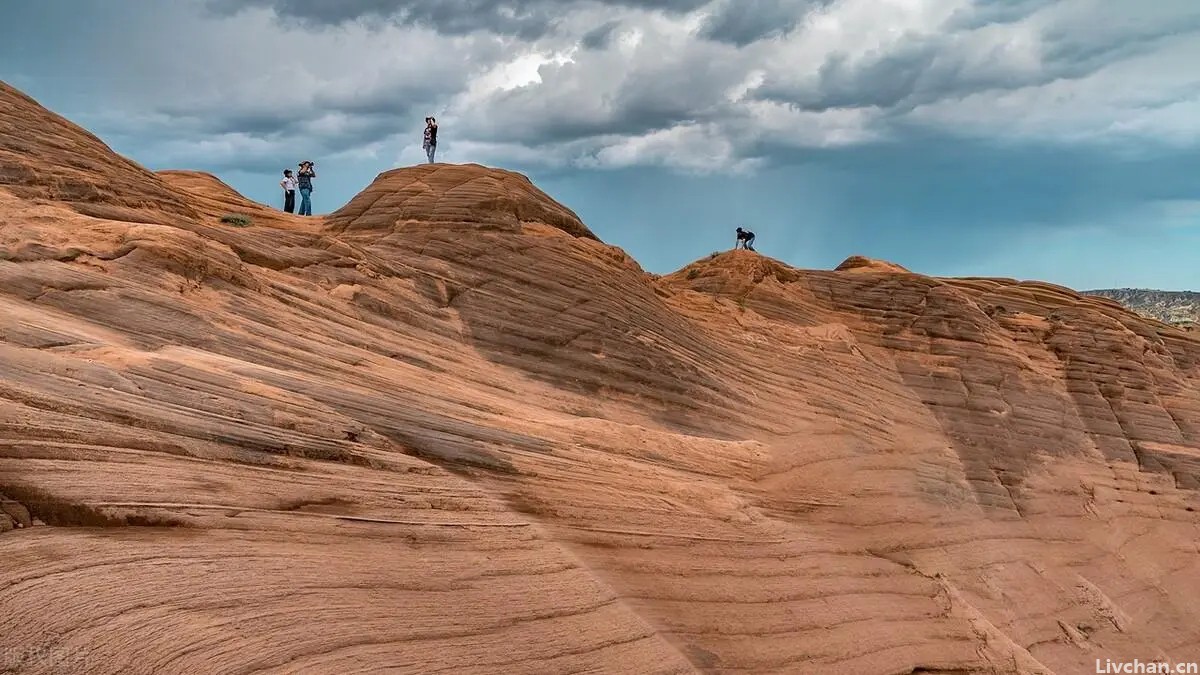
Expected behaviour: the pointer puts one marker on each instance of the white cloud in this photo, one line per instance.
(698, 148)
(520, 71)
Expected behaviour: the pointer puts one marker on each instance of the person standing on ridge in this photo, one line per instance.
(430, 145)
(745, 239)
(305, 176)
(289, 191)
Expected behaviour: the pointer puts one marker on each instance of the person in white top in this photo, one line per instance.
(289, 191)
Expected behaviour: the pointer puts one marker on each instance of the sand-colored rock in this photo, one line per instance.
(45, 157)
(863, 264)
(446, 429)
(448, 195)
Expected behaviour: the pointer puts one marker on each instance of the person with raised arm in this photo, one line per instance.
(304, 179)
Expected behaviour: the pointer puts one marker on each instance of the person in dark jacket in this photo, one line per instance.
(430, 143)
(304, 179)
(745, 239)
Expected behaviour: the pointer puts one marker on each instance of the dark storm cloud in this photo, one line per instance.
(250, 140)
(336, 101)
(601, 36)
(742, 22)
(917, 72)
(173, 145)
(352, 131)
(528, 19)
(1087, 47)
(368, 110)
(665, 88)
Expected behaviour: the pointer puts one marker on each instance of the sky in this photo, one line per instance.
(1033, 139)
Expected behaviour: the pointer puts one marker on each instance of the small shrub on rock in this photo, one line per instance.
(236, 219)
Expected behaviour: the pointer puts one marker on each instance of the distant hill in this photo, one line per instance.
(1174, 307)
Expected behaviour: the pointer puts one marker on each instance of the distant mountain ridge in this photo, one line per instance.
(1181, 308)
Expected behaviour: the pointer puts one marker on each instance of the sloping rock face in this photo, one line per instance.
(448, 429)
(43, 156)
(211, 198)
(862, 263)
(468, 195)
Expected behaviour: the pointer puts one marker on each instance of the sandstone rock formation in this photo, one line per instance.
(446, 429)
(864, 264)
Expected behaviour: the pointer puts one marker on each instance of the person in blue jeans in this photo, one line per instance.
(304, 180)
(430, 141)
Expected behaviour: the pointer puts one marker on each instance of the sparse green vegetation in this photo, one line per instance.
(237, 219)
(1180, 308)
(693, 273)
